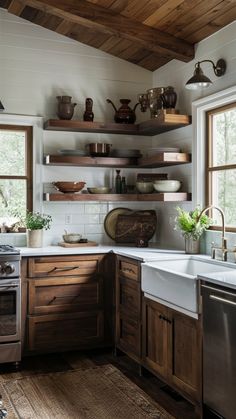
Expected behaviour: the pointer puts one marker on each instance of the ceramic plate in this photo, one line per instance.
(125, 153)
(152, 151)
(72, 152)
(111, 219)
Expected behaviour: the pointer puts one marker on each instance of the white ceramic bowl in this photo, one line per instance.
(99, 189)
(71, 237)
(144, 187)
(167, 185)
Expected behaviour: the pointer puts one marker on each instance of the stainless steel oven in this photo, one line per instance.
(10, 305)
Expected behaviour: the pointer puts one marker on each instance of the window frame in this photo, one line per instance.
(210, 169)
(29, 160)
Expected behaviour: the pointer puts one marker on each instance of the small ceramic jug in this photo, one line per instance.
(65, 108)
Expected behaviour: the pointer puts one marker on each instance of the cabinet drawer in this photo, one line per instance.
(128, 269)
(62, 331)
(63, 266)
(129, 297)
(64, 295)
(129, 336)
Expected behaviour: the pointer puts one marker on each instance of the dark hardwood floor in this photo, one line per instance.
(172, 402)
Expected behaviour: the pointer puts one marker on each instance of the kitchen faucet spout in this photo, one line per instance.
(223, 240)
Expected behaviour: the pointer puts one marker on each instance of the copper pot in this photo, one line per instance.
(99, 149)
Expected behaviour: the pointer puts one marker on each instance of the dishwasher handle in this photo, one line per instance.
(222, 300)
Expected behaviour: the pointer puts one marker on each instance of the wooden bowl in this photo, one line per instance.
(69, 187)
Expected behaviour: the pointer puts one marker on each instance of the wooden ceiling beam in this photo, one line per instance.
(16, 7)
(105, 21)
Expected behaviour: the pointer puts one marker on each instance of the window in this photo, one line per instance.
(221, 163)
(15, 172)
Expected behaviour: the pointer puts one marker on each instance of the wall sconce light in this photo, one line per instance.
(1, 107)
(199, 80)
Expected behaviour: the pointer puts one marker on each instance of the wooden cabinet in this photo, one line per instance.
(128, 307)
(172, 348)
(69, 302)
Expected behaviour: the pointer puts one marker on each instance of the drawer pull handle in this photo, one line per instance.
(69, 268)
(164, 318)
(73, 297)
(130, 270)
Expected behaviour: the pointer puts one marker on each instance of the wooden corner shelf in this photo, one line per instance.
(164, 122)
(161, 197)
(155, 161)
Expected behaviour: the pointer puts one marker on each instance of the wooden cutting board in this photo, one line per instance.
(88, 244)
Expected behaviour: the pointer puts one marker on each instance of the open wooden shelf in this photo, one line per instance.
(157, 160)
(162, 197)
(164, 122)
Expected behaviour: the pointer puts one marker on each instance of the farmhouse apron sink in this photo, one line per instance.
(175, 281)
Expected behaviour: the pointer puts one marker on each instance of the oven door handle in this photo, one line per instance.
(9, 286)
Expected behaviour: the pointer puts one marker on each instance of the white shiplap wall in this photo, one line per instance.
(36, 66)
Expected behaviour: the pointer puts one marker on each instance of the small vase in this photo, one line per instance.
(192, 247)
(88, 113)
(34, 238)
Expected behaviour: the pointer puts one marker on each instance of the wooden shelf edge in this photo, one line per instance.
(164, 122)
(84, 126)
(157, 160)
(87, 161)
(161, 197)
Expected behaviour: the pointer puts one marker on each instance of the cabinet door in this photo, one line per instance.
(128, 337)
(54, 332)
(155, 332)
(184, 353)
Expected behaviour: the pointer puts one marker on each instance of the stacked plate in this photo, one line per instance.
(153, 151)
(122, 152)
(78, 152)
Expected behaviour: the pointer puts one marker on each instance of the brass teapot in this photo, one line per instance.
(124, 115)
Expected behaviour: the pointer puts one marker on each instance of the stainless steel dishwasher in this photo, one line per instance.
(219, 351)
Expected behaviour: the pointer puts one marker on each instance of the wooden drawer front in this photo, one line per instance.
(129, 336)
(129, 270)
(59, 331)
(130, 297)
(63, 295)
(39, 267)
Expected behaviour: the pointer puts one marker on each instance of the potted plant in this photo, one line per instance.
(35, 223)
(192, 225)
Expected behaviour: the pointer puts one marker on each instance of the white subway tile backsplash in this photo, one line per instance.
(95, 208)
(93, 229)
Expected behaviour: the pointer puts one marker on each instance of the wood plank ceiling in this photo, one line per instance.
(148, 33)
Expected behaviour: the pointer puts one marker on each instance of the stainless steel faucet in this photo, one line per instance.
(223, 247)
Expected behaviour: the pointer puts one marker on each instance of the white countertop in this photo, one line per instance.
(226, 279)
(142, 254)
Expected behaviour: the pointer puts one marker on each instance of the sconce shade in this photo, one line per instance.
(199, 80)
(1, 106)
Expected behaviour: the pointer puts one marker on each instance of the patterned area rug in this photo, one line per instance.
(95, 393)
